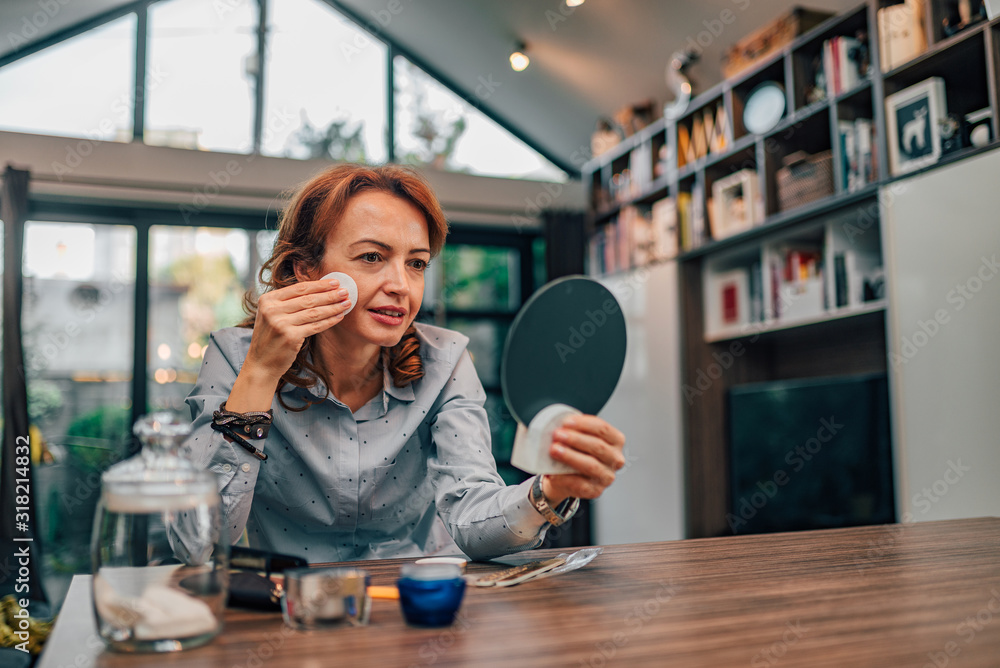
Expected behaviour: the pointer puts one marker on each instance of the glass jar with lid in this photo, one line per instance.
(160, 555)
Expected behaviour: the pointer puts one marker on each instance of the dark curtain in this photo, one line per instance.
(565, 249)
(18, 530)
(565, 242)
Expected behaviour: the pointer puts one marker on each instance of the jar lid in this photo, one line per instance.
(430, 572)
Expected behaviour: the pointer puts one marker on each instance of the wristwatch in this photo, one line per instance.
(561, 514)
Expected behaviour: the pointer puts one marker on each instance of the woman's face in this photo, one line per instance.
(381, 242)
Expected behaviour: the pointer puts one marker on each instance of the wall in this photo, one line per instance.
(195, 181)
(646, 503)
(942, 247)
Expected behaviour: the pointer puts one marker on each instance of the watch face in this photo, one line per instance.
(764, 107)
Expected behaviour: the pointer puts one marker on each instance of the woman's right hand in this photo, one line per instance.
(286, 317)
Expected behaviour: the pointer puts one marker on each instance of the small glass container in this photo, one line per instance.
(317, 598)
(160, 556)
(430, 594)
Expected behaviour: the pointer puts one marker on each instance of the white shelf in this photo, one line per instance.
(752, 329)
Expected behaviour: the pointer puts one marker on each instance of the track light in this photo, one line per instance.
(518, 60)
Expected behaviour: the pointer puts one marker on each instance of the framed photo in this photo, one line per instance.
(735, 202)
(913, 118)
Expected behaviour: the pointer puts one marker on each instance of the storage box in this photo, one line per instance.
(762, 43)
(804, 178)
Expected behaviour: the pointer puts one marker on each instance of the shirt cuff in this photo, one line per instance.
(521, 516)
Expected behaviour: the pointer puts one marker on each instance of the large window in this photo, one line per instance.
(326, 86)
(78, 331)
(198, 84)
(319, 89)
(436, 127)
(197, 278)
(482, 280)
(81, 87)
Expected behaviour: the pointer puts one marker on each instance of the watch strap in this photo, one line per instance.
(554, 516)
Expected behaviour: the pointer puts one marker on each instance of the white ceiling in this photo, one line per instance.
(585, 63)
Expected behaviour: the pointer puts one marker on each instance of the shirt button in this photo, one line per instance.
(245, 467)
(227, 468)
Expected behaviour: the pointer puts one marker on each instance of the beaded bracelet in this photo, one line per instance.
(254, 424)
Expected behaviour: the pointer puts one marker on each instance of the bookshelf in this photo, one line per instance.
(777, 234)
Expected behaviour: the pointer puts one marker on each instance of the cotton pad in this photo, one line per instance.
(531, 443)
(347, 283)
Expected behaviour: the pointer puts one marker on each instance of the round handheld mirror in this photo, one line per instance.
(764, 107)
(563, 355)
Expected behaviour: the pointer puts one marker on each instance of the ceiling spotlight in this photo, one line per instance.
(519, 61)
(574, 3)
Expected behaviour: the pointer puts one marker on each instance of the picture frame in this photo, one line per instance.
(913, 117)
(735, 204)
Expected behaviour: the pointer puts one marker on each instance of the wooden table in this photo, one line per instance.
(925, 594)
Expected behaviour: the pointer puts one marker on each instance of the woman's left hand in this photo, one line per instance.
(592, 447)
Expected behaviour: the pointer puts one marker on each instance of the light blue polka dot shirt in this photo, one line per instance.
(410, 473)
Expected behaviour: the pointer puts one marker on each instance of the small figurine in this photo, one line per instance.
(967, 16)
(952, 129)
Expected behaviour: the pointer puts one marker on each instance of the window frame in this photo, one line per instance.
(393, 49)
(143, 218)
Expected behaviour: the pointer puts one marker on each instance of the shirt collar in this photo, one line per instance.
(404, 393)
(318, 390)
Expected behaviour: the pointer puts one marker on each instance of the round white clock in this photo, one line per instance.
(764, 107)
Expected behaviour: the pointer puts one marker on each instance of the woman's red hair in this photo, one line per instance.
(315, 208)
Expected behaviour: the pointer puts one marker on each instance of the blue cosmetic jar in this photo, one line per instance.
(430, 594)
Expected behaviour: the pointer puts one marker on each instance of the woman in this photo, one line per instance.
(379, 445)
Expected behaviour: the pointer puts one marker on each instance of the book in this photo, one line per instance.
(729, 299)
(663, 229)
(699, 144)
(864, 142)
(850, 76)
(848, 156)
(685, 151)
(901, 33)
(684, 220)
(708, 124)
(698, 226)
(841, 69)
(721, 129)
(756, 288)
(623, 241)
(641, 169)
